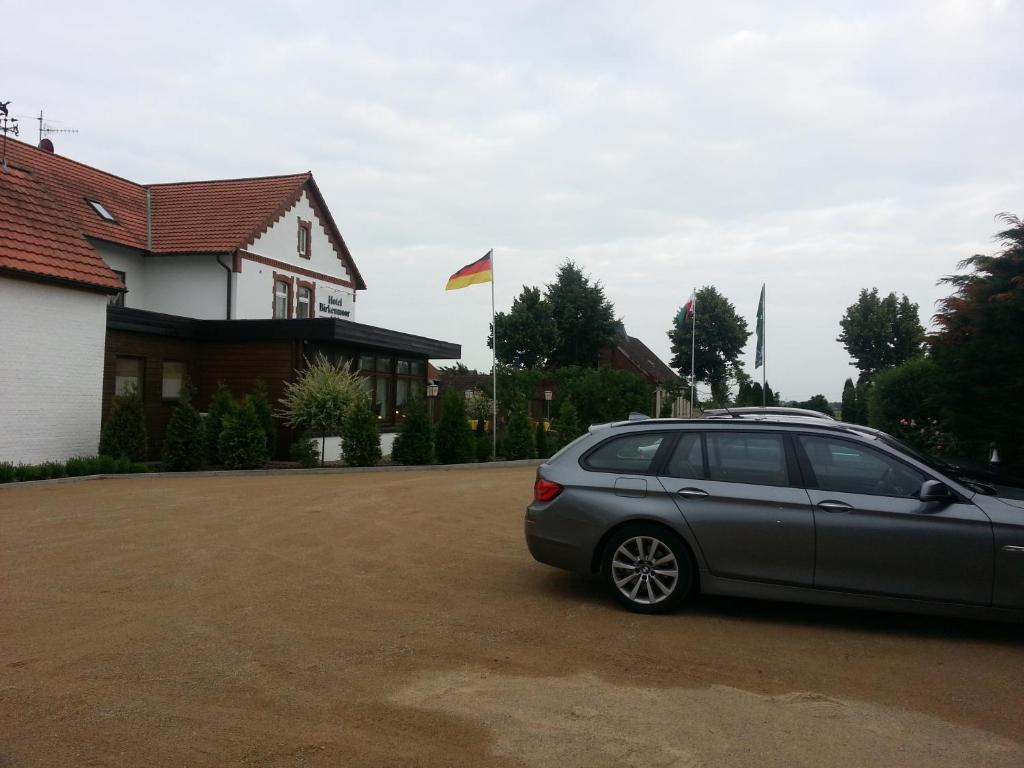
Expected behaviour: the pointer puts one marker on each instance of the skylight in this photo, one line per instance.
(103, 212)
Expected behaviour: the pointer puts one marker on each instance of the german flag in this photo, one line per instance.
(480, 271)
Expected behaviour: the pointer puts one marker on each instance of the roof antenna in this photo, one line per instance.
(46, 130)
(7, 125)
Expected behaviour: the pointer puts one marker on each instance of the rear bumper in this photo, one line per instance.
(552, 544)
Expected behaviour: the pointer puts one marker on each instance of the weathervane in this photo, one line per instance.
(8, 124)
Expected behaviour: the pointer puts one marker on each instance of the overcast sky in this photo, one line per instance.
(817, 147)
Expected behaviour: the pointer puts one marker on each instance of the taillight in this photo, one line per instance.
(545, 490)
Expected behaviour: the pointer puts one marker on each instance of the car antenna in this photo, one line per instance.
(731, 414)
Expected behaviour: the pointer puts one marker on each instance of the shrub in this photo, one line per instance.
(360, 443)
(75, 467)
(541, 441)
(185, 440)
(243, 443)
(24, 473)
(519, 442)
(567, 425)
(306, 451)
(124, 431)
(260, 398)
(222, 404)
(414, 444)
(321, 396)
(907, 402)
(454, 440)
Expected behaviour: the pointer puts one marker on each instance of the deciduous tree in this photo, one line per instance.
(881, 332)
(721, 336)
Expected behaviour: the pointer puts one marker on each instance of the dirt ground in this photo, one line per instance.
(396, 619)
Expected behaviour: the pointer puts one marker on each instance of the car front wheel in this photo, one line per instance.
(648, 568)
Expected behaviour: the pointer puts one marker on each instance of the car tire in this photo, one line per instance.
(648, 568)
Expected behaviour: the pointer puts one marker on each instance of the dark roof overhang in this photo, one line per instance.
(321, 329)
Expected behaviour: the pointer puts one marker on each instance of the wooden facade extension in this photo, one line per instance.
(238, 353)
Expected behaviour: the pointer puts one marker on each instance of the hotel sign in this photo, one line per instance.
(334, 306)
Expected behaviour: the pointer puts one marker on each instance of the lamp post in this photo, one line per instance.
(547, 404)
(432, 390)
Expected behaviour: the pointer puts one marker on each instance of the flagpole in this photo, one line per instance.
(693, 347)
(494, 371)
(764, 348)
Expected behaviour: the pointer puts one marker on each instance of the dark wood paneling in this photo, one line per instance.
(237, 364)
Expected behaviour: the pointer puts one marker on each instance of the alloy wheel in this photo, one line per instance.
(645, 570)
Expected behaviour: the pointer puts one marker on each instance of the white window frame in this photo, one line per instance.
(300, 300)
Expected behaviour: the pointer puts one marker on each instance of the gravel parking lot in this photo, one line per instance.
(396, 619)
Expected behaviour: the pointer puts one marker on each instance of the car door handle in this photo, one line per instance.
(1013, 548)
(691, 493)
(835, 506)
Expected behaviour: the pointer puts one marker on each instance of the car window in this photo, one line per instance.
(687, 460)
(629, 454)
(747, 458)
(846, 467)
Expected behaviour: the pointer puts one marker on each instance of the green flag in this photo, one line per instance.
(759, 355)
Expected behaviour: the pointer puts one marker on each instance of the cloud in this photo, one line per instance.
(819, 149)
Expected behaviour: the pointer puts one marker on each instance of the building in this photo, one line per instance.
(628, 353)
(218, 281)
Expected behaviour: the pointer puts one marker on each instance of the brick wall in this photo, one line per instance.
(51, 342)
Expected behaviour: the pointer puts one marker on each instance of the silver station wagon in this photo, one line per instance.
(776, 507)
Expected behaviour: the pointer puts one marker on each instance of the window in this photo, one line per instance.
(366, 363)
(687, 460)
(303, 302)
(846, 467)
(384, 365)
(380, 404)
(746, 458)
(173, 378)
(127, 375)
(101, 211)
(630, 454)
(402, 367)
(305, 236)
(117, 299)
(282, 298)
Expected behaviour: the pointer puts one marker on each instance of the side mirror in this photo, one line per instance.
(933, 490)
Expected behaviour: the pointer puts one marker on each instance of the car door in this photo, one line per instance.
(621, 484)
(740, 494)
(873, 534)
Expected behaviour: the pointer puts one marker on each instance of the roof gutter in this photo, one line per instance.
(227, 302)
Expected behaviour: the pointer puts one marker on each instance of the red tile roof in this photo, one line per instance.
(218, 216)
(37, 238)
(187, 217)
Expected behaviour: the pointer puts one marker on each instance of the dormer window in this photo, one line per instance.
(305, 238)
(101, 210)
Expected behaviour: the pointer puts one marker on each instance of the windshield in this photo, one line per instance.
(973, 480)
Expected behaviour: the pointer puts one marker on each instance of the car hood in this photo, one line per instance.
(1018, 503)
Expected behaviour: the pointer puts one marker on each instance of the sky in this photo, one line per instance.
(818, 148)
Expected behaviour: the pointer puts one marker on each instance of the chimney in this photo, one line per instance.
(46, 145)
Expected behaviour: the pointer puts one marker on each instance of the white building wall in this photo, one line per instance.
(190, 285)
(52, 341)
(254, 290)
(132, 263)
(187, 285)
(254, 286)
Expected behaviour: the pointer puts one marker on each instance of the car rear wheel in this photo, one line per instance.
(648, 568)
